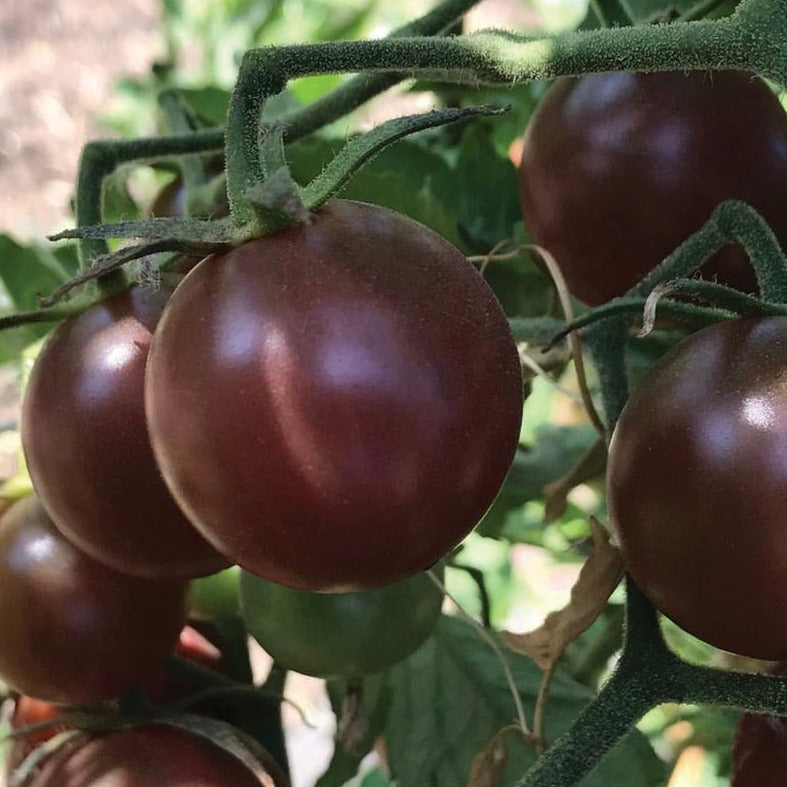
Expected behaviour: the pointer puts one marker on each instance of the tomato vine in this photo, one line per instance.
(265, 199)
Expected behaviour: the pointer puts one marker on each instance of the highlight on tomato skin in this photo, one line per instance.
(335, 635)
(87, 448)
(620, 168)
(75, 631)
(696, 461)
(335, 406)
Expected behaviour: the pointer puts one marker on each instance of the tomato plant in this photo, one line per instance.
(696, 464)
(74, 630)
(87, 447)
(333, 395)
(323, 408)
(145, 756)
(330, 635)
(619, 168)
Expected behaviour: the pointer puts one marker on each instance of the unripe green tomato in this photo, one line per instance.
(215, 596)
(333, 635)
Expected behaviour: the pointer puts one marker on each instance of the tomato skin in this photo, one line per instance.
(146, 756)
(28, 711)
(334, 635)
(619, 168)
(697, 481)
(87, 447)
(74, 630)
(335, 406)
(215, 596)
(760, 752)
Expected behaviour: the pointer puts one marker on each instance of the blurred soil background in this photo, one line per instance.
(61, 62)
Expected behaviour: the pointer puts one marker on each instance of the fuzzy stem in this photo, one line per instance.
(643, 678)
(101, 157)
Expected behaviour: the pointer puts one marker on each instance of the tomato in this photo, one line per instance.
(170, 201)
(336, 405)
(74, 630)
(331, 635)
(87, 447)
(146, 756)
(759, 757)
(28, 711)
(697, 482)
(618, 169)
(215, 596)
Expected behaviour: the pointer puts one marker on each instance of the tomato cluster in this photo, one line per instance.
(332, 407)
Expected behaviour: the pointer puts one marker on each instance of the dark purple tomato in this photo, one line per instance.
(335, 406)
(87, 447)
(759, 757)
(697, 486)
(154, 756)
(618, 169)
(73, 630)
(29, 712)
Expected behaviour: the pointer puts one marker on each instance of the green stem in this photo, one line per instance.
(101, 157)
(642, 679)
(499, 58)
(181, 121)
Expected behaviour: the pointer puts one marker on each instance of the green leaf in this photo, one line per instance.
(451, 697)
(210, 103)
(117, 204)
(626, 12)
(371, 723)
(27, 272)
(400, 178)
(486, 198)
(376, 778)
(362, 148)
(555, 451)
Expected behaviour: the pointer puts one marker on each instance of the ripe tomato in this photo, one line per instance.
(697, 482)
(336, 405)
(146, 756)
(87, 447)
(74, 630)
(759, 757)
(29, 711)
(618, 169)
(332, 635)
